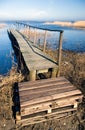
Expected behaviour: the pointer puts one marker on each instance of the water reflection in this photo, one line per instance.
(6, 60)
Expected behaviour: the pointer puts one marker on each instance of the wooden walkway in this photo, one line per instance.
(36, 61)
(46, 99)
(41, 100)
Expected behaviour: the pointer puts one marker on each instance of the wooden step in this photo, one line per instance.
(54, 97)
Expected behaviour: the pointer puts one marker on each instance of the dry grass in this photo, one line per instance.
(73, 68)
(6, 93)
(11, 78)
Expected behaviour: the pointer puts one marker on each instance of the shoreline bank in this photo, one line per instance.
(2, 25)
(77, 24)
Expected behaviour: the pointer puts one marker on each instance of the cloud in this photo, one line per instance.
(38, 14)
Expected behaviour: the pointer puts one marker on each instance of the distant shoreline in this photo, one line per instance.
(77, 24)
(2, 25)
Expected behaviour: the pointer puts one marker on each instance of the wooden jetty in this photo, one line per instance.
(35, 60)
(46, 99)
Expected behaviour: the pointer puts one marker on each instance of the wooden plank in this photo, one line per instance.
(44, 94)
(42, 71)
(39, 52)
(45, 117)
(39, 66)
(53, 103)
(30, 110)
(47, 98)
(25, 122)
(41, 83)
(54, 88)
(45, 86)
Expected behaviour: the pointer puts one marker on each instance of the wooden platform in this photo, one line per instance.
(35, 60)
(46, 99)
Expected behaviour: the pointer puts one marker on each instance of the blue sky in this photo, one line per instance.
(42, 9)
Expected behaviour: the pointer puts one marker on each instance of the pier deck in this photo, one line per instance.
(36, 61)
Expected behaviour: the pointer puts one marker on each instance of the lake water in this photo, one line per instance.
(73, 39)
(6, 52)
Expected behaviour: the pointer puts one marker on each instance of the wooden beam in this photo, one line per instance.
(33, 75)
(60, 52)
(45, 41)
(25, 102)
(54, 72)
(35, 34)
(29, 33)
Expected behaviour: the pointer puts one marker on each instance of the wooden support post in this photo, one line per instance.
(33, 75)
(29, 33)
(60, 52)
(35, 35)
(18, 116)
(17, 26)
(75, 104)
(26, 31)
(54, 72)
(49, 111)
(45, 41)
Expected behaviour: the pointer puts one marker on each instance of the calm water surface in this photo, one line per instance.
(73, 38)
(6, 52)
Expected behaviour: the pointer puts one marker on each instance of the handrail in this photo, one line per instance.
(39, 27)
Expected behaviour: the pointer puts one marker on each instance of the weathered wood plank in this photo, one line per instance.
(57, 110)
(44, 107)
(49, 97)
(53, 103)
(46, 86)
(44, 94)
(25, 122)
(41, 83)
(54, 88)
(45, 117)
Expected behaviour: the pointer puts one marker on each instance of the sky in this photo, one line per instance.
(42, 10)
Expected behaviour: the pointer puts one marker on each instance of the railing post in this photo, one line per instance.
(26, 30)
(35, 35)
(60, 52)
(32, 75)
(45, 41)
(29, 33)
(17, 27)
